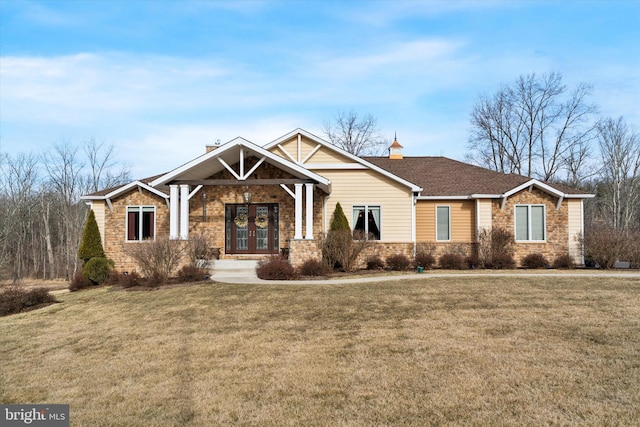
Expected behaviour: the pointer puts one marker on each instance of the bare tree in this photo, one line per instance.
(619, 187)
(102, 162)
(41, 215)
(358, 135)
(530, 128)
(19, 180)
(65, 178)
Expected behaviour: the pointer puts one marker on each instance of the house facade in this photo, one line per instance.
(254, 201)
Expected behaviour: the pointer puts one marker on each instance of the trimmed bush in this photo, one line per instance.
(126, 280)
(91, 244)
(191, 273)
(15, 299)
(604, 245)
(156, 259)
(424, 259)
(502, 261)
(398, 262)
(98, 269)
(275, 268)
(534, 261)
(472, 261)
(313, 267)
(79, 282)
(374, 262)
(156, 279)
(495, 248)
(563, 261)
(199, 247)
(452, 261)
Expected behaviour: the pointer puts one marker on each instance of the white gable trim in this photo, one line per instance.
(534, 183)
(126, 188)
(241, 142)
(338, 150)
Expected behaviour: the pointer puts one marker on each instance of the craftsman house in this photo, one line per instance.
(254, 201)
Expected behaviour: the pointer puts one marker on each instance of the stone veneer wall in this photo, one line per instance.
(217, 196)
(437, 249)
(557, 238)
(115, 223)
(214, 224)
(301, 250)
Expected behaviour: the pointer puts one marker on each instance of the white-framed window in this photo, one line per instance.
(530, 223)
(366, 220)
(443, 223)
(141, 223)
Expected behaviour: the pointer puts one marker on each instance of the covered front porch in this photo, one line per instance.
(249, 202)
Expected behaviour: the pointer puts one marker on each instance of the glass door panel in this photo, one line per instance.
(242, 228)
(262, 228)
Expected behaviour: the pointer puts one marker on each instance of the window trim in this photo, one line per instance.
(366, 208)
(529, 222)
(140, 221)
(448, 239)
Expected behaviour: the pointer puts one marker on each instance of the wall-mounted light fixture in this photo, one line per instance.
(204, 207)
(246, 196)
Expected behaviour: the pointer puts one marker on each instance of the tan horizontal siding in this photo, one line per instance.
(462, 220)
(484, 214)
(323, 155)
(98, 207)
(366, 187)
(575, 229)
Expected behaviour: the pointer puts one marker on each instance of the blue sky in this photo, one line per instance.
(161, 79)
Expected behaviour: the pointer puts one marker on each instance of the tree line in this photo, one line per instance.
(535, 126)
(540, 128)
(41, 214)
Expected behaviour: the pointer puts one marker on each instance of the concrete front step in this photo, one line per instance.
(233, 270)
(233, 265)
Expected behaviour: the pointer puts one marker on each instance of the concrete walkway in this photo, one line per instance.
(244, 272)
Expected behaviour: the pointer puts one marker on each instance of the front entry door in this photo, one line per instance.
(252, 228)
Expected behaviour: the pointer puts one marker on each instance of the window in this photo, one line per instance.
(141, 224)
(367, 221)
(530, 222)
(443, 223)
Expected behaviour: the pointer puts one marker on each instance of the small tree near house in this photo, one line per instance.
(91, 245)
(339, 220)
(340, 248)
(96, 267)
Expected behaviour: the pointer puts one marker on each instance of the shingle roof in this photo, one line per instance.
(440, 176)
(111, 189)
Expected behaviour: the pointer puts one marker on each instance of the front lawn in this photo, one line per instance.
(460, 350)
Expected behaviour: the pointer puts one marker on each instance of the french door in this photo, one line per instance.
(251, 228)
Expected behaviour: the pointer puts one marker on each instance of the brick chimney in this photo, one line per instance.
(395, 150)
(210, 148)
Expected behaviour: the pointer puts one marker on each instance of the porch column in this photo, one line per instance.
(184, 211)
(173, 212)
(309, 213)
(298, 214)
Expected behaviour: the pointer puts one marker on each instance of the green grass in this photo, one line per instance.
(459, 350)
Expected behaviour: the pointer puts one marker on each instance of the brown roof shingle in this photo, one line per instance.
(106, 191)
(441, 176)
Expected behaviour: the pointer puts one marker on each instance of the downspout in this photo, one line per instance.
(582, 230)
(477, 220)
(413, 221)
